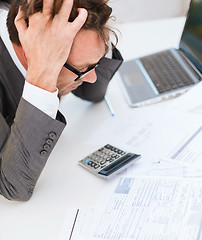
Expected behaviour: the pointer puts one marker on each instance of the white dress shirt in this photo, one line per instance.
(45, 101)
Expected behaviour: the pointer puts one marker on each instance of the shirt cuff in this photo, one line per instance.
(47, 102)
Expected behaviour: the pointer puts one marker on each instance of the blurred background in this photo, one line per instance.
(144, 10)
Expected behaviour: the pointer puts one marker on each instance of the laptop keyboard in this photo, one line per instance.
(165, 71)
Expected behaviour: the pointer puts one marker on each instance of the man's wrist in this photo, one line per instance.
(46, 81)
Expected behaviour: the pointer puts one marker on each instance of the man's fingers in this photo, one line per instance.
(20, 22)
(47, 7)
(66, 9)
(80, 19)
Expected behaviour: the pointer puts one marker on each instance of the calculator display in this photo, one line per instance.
(108, 161)
(118, 164)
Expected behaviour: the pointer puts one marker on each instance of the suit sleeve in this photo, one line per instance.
(105, 71)
(26, 147)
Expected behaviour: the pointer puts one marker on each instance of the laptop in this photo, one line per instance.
(169, 73)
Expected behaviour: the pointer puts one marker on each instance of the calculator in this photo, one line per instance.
(108, 161)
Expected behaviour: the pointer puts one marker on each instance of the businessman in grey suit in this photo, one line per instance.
(48, 56)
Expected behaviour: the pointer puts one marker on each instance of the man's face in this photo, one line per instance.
(87, 49)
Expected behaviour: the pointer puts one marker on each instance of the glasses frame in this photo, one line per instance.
(77, 72)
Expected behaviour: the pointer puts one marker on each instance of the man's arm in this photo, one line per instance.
(105, 71)
(25, 149)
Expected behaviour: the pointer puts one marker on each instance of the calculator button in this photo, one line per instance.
(86, 161)
(105, 151)
(108, 146)
(93, 164)
(96, 166)
(98, 154)
(89, 163)
(102, 162)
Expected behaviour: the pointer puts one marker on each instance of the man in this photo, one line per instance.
(55, 47)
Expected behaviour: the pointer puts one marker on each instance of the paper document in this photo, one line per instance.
(190, 101)
(150, 208)
(155, 132)
(144, 208)
(161, 168)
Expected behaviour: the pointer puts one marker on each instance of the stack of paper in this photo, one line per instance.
(160, 197)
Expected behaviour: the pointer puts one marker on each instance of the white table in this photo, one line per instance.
(63, 182)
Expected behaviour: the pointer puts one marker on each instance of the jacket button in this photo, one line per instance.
(43, 152)
(49, 141)
(52, 135)
(46, 146)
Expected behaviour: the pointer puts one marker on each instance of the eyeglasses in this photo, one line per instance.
(77, 72)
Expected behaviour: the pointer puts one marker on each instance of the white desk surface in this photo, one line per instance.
(63, 182)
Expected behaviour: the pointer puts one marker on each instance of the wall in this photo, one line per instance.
(140, 10)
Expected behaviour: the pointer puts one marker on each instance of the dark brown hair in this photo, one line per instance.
(98, 15)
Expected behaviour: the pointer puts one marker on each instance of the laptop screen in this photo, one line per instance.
(191, 41)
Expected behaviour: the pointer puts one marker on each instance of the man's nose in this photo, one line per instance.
(91, 77)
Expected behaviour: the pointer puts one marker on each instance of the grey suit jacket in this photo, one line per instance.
(28, 135)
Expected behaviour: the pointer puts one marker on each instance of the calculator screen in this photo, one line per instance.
(117, 164)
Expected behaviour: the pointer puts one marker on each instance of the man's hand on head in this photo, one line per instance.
(47, 41)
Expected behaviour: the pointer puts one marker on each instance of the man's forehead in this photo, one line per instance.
(87, 48)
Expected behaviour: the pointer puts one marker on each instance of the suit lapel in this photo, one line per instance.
(13, 79)
(11, 85)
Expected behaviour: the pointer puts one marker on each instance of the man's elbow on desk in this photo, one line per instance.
(16, 193)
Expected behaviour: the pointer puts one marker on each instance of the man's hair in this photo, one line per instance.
(98, 15)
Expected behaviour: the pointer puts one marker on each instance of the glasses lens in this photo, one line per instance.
(86, 72)
(78, 73)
